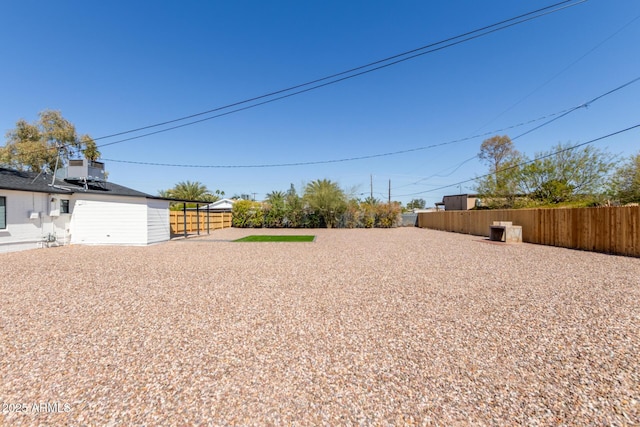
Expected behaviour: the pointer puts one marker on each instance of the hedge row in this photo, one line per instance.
(248, 214)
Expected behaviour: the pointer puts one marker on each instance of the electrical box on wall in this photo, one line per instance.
(34, 215)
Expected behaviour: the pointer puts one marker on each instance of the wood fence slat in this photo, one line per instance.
(613, 229)
(217, 221)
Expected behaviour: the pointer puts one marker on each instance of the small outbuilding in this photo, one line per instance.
(458, 202)
(41, 210)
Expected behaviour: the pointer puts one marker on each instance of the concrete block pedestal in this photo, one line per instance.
(505, 231)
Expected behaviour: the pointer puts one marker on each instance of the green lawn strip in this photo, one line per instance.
(259, 238)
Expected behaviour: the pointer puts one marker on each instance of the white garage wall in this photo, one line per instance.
(158, 229)
(109, 220)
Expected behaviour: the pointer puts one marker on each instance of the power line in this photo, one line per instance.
(437, 174)
(583, 105)
(395, 59)
(554, 117)
(564, 69)
(524, 163)
(349, 159)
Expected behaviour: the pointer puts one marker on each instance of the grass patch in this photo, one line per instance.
(259, 238)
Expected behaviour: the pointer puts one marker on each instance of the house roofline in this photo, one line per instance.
(16, 180)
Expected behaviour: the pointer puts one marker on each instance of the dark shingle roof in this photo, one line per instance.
(11, 179)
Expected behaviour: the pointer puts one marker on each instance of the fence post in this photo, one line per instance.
(184, 215)
(198, 217)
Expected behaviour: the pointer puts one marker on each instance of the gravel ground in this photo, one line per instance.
(361, 327)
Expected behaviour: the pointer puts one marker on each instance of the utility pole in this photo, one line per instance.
(371, 185)
(389, 192)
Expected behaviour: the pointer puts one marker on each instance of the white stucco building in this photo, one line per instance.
(40, 211)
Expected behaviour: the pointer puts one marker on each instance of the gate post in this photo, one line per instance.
(198, 217)
(184, 215)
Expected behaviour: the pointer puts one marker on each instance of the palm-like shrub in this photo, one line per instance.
(188, 190)
(326, 200)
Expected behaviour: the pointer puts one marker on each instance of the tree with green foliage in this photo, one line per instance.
(501, 183)
(416, 204)
(294, 208)
(566, 174)
(496, 151)
(190, 190)
(372, 201)
(165, 194)
(242, 196)
(89, 148)
(276, 198)
(368, 209)
(352, 216)
(326, 199)
(324, 204)
(388, 215)
(625, 182)
(274, 207)
(368, 213)
(247, 214)
(45, 143)
(563, 174)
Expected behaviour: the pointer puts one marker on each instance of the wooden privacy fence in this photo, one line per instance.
(198, 222)
(614, 230)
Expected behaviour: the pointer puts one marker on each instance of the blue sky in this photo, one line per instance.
(114, 66)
